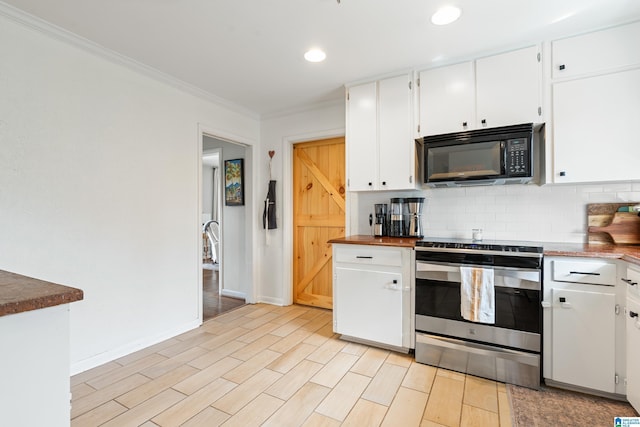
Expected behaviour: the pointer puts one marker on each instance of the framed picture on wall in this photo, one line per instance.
(234, 182)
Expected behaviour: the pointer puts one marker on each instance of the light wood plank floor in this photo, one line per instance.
(279, 366)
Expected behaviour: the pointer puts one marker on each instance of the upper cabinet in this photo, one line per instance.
(508, 88)
(381, 153)
(595, 95)
(493, 91)
(447, 99)
(596, 52)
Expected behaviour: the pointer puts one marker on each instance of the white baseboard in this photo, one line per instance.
(233, 294)
(272, 301)
(108, 356)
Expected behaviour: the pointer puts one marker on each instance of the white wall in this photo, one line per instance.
(99, 169)
(275, 246)
(236, 261)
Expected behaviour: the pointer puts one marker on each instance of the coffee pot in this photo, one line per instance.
(396, 217)
(413, 216)
(380, 225)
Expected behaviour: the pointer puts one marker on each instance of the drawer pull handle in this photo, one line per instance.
(633, 314)
(363, 257)
(630, 282)
(585, 273)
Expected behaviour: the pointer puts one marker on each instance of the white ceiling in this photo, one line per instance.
(250, 52)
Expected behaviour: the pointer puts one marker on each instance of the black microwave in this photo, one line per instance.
(487, 156)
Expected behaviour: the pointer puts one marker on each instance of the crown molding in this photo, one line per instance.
(304, 108)
(34, 23)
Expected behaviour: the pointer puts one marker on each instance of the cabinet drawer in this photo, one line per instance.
(368, 255)
(591, 272)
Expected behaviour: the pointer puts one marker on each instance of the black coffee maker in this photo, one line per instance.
(380, 225)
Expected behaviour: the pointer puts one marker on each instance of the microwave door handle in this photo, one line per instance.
(503, 163)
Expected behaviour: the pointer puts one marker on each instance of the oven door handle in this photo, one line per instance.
(518, 273)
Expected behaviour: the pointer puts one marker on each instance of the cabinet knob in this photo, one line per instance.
(384, 182)
(464, 124)
(484, 122)
(563, 299)
(370, 184)
(633, 314)
(561, 67)
(563, 173)
(395, 282)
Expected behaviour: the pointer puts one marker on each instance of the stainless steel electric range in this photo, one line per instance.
(506, 350)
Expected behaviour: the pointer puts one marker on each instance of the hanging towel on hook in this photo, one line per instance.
(269, 214)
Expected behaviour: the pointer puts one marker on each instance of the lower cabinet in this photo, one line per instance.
(631, 278)
(583, 341)
(373, 294)
(583, 330)
(633, 350)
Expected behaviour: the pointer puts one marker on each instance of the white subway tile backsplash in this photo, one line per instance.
(628, 196)
(550, 213)
(617, 187)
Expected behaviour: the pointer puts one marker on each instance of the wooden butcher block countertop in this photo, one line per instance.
(401, 242)
(21, 293)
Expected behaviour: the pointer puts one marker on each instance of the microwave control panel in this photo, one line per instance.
(517, 157)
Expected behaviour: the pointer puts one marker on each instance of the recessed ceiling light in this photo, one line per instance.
(315, 55)
(446, 15)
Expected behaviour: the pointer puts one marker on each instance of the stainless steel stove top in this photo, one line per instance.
(468, 246)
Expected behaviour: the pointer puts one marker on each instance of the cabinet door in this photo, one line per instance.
(447, 99)
(508, 88)
(368, 305)
(583, 339)
(397, 152)
(362, 137)
(633, 350)
(596, 52)
(594, 123)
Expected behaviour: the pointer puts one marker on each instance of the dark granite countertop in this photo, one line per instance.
(628, 253)
(21, 293)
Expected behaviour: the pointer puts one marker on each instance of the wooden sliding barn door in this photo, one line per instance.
(319, 215)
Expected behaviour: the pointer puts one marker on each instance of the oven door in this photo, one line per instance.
(517, 293)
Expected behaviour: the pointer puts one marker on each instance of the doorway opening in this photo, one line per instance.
(223, 232)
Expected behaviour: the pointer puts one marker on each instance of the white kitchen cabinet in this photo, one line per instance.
(508, 88)
(596, 52)
(362, 136)
(632, 320)
(373, 295)
(633, 350)
(498, 90)
(583, 339)
(381, 152)
(594, 119)
(447, 99)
